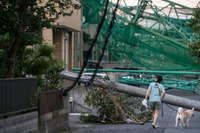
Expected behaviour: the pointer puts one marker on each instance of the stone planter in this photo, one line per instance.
(53, 115)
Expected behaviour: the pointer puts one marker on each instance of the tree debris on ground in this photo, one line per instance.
(114, 107)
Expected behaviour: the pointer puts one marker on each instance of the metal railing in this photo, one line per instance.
(172, 79)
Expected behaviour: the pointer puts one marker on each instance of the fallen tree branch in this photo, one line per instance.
(134, 119)
(137, 91)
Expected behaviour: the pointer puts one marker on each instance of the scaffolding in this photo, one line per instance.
(145, 36)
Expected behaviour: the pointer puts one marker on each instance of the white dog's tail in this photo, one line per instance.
(180, 110)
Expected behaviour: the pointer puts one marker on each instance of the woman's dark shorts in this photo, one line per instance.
(155, 105)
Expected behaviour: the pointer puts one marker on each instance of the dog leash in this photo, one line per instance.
(162, 113)
(169, 106)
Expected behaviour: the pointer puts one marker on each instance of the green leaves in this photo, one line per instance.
(195, 20)
(5, 41)
(3, 63)
(40, 65)
(46, 50)
(102, 100)
(52, 77)
(195, 25)
(40, 62)
(195, 51)
(20, 27)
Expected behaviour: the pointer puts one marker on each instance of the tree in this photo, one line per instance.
(52, 78)
(20, 24)
(195, 25)
(115, 107)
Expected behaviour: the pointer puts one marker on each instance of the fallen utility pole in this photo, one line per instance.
(136, 91)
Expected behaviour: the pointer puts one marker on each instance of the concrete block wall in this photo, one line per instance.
(21, 123)
(30, 122)
(78, 94)
(54, 121)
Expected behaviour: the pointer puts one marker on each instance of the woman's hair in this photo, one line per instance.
(159, 78)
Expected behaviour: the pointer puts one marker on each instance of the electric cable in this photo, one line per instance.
(65, 90)
(105, 44)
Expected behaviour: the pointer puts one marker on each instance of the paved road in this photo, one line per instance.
(167, 122)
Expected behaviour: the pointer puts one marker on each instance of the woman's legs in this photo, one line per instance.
(155, 116)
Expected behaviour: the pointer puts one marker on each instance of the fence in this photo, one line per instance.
(50, 101)
(15, 94)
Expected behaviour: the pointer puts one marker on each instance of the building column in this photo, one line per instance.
(66, 50)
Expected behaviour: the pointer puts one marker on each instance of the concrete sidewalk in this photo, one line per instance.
(167, 122)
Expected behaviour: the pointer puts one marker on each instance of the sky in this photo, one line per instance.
(189, 3)
(183, 14)
(162, 3)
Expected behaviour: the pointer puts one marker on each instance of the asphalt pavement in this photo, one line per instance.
(166, 123)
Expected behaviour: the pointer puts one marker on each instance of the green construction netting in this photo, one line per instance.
(154, 40)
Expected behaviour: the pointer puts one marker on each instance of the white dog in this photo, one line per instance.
(184, 116)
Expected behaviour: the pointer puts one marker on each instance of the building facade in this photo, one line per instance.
(66, 36)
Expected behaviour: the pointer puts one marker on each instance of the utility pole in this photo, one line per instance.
(136, 91)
